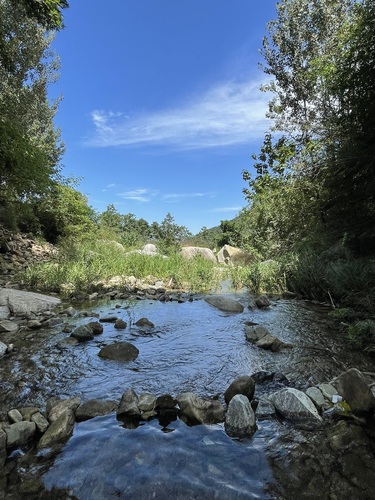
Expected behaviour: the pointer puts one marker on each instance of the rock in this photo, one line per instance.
(225, 303)
(59, 430)
(265, 409)
(27, 412)
(3, 447)
(240, 418)
(4, 312)
(352, 386)
(27, 304)
(149, 249)
(262, 302)
(144, 322)
(7, 326)
(95, 327)
(94, 408)
(120, 351)
(93, 296)
(146, 402)
(165, 401)
(108, 319)
(34, 324)
(14, 416)
(316, 396)
(327, 390)
(295, 405)
(199, 410)
(83, 333)
(63, 406)
(242, 385)
(192, 252)
(128, 406)
(253, 333)
(41, 422)
(120, 324)
(3, 349)
(232, 255)
(19, 434)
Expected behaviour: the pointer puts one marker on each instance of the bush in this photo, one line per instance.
(362, 335)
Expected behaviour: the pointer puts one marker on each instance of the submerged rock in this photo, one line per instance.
(240, 418)
(120, 351)
(225, 303)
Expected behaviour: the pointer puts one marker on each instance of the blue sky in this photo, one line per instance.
(161, 105)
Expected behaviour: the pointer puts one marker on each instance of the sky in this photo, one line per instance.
(161, 107)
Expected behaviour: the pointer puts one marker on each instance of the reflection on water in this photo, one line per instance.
(193, 347)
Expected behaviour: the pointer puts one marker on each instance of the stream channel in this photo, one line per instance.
(193, 347)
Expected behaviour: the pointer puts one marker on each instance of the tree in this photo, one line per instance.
(170, 235)
(30, 149)
(48, 13)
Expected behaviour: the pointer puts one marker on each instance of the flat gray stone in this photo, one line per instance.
(94, 408)
(224, 303)
(27, 304)
(8, 326)
(316, 396)
(19, 433)
(295, 405)
(59, 430)
(201, 411)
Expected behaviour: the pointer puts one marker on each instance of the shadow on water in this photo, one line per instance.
(193, 347)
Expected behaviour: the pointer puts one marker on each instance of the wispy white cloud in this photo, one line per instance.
(175, 197)
(110, 186)
(229, 113)
(141, 195)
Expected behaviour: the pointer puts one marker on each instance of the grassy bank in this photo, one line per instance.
(80, 267)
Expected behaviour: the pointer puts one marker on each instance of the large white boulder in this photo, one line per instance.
(27, 304)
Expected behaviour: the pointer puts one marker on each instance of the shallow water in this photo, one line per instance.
(193, 347)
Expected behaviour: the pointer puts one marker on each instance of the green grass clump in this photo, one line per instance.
(362, 335)
(80, 267)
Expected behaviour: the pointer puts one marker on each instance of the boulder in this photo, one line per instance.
(95, 327)
(120, 351)
(166, 401)
(200, 411)
(94, 408)
(253, 333)
(265, 409)
(19, 434)
(261, 337)
(63, 406)
(146, 402)
(295, 405)
(3, 349)
(244, 385)
(192, 252)
(4, 312)
(240, 418)
(128, 406)
(144, 322)
(59, 430)
(262, 301)
(27, 304)
(120, 324)
(232, 255)
(7, 326)
(149, 249)
(225, 303)
(352, 386)
(41, 422)
(82, 333)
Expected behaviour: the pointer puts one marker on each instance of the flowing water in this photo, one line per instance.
(193, 347)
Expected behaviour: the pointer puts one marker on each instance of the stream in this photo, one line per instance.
(193, 347)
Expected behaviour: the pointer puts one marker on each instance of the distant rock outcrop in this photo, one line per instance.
(191, 252)
(233, 255)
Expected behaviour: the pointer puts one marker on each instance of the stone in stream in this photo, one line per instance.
(19, 434)
(94, 408)
(119, 351)
(82, 333)
(225, 303)
(95, 327)
(120, 324)
(201, 411)
(240, 418)
(352, 386)
(128, 406)
(63, 406)
(144, 322)
(27, 304)
(296, 406)
(59, 430)
(262, 301)
(242, 385)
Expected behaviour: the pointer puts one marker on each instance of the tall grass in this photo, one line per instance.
(80, 267)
